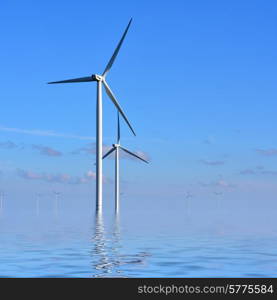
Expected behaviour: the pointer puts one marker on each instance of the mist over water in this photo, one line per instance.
(165, 241)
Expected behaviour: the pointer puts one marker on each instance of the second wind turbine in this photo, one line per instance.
(116, 147)
(101, 79)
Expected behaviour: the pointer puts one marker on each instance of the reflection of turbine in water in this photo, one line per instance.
(106, 251)
(116, 245)
(100, 248)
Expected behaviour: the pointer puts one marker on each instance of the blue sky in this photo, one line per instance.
(197, 80)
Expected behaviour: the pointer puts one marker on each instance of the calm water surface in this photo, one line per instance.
(136, 244)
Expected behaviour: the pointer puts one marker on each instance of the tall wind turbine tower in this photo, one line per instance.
(101, 80)
(116, 147)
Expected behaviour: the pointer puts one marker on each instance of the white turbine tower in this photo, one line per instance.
(102, 79)
(116, 147)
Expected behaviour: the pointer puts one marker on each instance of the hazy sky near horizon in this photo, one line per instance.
(197, 80)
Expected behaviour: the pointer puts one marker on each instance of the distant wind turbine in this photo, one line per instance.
(1, 200)
(116, 147)
(218, 193)
(102, 79)
(56, 205)
(187, 196)
(38, 195)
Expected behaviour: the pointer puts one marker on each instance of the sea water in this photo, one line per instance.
(137, 243)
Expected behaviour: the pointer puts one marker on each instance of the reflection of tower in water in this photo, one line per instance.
(105, 254)
(107, 257)
(116, 245)
(100, 252)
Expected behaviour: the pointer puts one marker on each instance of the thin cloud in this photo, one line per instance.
(8, 145)
(56, 178)
(224, 184)
(268, 172)
(44, 150)
(45, 133)
(260, 167)
(90, 174)
(267, 152)
(247, 172)
(212, 162)
(218, 184)
(90, 149)
(260, 170)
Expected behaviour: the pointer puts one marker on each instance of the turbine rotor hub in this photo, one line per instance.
(98, 77)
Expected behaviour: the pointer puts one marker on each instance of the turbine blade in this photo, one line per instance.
(133, 154)
(81, 79)
(111, 61)
(109, 152)
(115, 102)
(118, 128)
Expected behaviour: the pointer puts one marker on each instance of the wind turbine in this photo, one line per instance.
(56, 203)
(187, 196)
(101, 79)
(116, 147)
(1, 201)
(38, 196)
(218, 194)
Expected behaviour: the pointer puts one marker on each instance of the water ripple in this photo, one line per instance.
(104, 249)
